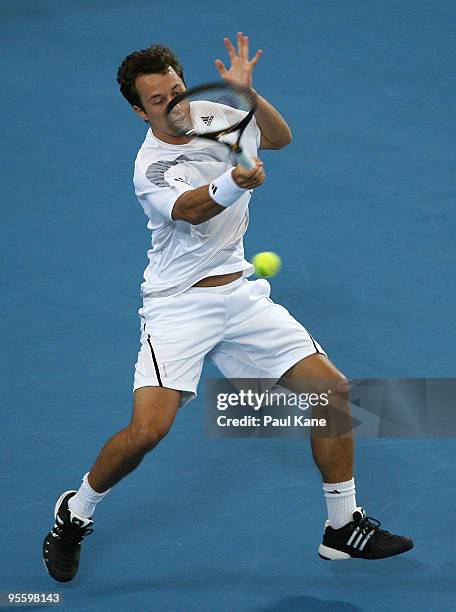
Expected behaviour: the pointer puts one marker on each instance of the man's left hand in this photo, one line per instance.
(240, 72)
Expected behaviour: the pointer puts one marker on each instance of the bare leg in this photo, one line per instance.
(153, 414)
(333, 455)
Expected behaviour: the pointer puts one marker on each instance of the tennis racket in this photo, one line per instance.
(215, 111)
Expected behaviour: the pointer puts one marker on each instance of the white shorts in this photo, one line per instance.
(237, 326)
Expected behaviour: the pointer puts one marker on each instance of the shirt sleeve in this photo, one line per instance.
(159, 188)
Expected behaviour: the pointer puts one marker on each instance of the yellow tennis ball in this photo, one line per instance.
(266, 264)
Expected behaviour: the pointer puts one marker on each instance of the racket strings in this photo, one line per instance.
(216, 111)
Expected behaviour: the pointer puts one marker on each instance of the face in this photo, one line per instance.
(156, 91)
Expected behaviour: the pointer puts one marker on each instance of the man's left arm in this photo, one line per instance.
(275, 131)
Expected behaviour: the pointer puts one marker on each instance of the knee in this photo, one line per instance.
(143, 437)
(336, 385)
(340, 386)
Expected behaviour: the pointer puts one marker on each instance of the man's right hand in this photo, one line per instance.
(249, 179)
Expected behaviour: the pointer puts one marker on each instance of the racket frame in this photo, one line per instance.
(240, 126)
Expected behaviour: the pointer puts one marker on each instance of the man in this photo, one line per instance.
(197, 303)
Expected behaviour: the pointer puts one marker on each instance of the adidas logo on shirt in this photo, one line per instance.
(208, 120)
(181, 179)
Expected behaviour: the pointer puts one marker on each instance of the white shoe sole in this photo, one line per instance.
(332, 554)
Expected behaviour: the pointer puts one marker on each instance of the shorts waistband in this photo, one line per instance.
(227, 288)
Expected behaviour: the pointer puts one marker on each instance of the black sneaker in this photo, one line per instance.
(62, 545)
(362, 538)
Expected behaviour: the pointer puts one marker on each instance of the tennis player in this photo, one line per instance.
(198, 302)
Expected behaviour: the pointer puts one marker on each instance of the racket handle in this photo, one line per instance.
(245, 160)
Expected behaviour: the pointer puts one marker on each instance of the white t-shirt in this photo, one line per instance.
(181, 253)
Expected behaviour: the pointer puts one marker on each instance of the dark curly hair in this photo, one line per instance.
(155, 59)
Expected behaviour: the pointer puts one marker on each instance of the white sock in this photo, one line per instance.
(84, 502)
(340, 501)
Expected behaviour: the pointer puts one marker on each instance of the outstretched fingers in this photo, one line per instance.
(242, 50)
(256, 57)
(243, 46)
(231, 50)
(220, 67)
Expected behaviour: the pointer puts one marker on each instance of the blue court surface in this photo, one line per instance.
(361, 208)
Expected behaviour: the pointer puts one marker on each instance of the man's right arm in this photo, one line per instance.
(197, 206)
